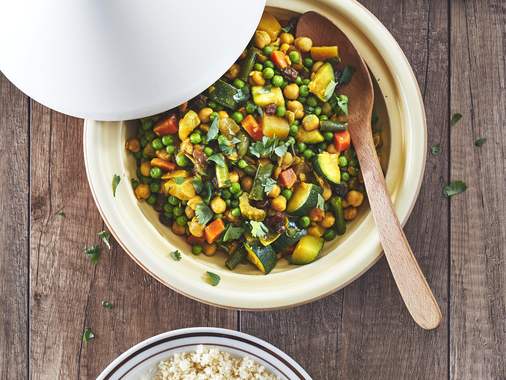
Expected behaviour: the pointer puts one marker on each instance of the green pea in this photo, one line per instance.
(277, 81)
(301, 147)
(238, 83)
(318, 111)
(258, 67)
(236, 212)
(268, 73)
(294, 129)
(269, 64)
(234, 203)
(227, 202)
(181, 220)
(294, 56)
(287, 193)
(168, 209)
(225, 194)
(134, 183)
(280, 111)
(182, 160)
(306, 81)
(329, 235)
(250, 108)
(308, 154)
(212, 105)
(157, 144)
(324, 117)
(173, 201)
(195, 138)
(328, 136)
(304, 90)
(309, 109)
(312, 101)
(213, 116)
(154, 187)
(242, 164)
(304, 221)
(137, 155)
(170, 149)
(268, 50)
(284, 84)
(302, 99)
(235, 188)
(197, 249)
(343, 161)
(298, 81)
(168, 140)
(178, 211)
(308, 62)
(208, 151)
(151, 200)
(155, 172)
(237, 116)
(345, 177)
(321, 146)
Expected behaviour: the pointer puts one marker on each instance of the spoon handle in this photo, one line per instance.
(408, 276)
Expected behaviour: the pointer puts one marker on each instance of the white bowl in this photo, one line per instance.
(140, 362)
(137, 229)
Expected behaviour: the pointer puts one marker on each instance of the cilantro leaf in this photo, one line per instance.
(321, 202)
(435, 150)
(455, 118)
(212, 278)
(225, 145)
(93, 253)
(479, 142)
(176, 255)
(203, 213)
(208, 193)
(280, 150)
(454, 188)
(116, 179)
(218, 159)
(264, 148)
(232, 233)
(107, 305)
(269, 185)
(258, 229)
(346, 75)
(212, 133)
(342, 104)
(88, 335)
(105, 236)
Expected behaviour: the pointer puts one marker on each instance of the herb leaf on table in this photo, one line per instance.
(88, 335)
(479, 142)
(105, 236)
(93, 253)
(455, 118)
(454, 188)
(203, 213)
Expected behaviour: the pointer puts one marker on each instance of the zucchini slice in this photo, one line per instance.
(264, 258)
(304, 199)
(307, 250)
(327, 165)
(291, 236)
(324, 82)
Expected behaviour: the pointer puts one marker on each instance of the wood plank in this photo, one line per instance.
(67, 289)
(478, 217)
(14, 167)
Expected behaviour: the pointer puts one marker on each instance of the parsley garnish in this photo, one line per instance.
(218, 159)
(455, 118)
(225, 145)
(105, 236)
(346, 75)
(435, 150)
(280, 150)
(342, 104)
(454, 188)
(269, 185)
(203, 213)
(213, 278)
(258, 229)
(88, 335)
(265, 148)
(479, 142)
(176, 255)
(212, 133)
(107, 305)
(116, 179)
(232, 233)
(93, 253)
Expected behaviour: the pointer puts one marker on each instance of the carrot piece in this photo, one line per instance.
(279, 59)
(251, 126)
(166, 126)
(213, 230)
(287, 178)
(342, 140)
(163, 164)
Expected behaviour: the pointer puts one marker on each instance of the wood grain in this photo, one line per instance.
(478, 217)
(14, 198)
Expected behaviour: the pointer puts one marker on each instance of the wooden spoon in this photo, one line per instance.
(407, 274)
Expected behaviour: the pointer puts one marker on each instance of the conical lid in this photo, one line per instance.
(121, 59)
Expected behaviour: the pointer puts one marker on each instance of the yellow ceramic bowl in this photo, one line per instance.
(136, 227)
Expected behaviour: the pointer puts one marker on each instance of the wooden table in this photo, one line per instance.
(49, 291)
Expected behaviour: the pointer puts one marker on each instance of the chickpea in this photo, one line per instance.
(279, 203)
(316, 66)
(162, 154)
(311, 122)
(233, 72)
(355, 198)
(142, 191)
(209, 249)
(284, 48)
(257, 78)
(193, 202)
(316, 215)
(133, 145)
(195, 228)
(262, 39)
(204, 127)
(350, 213)
(246, 183)
(345, 204)
(304, 44)
(218, 205)
(287, 38)
(145, 168)
(205, 114)
(189, 212)
(316, 231)
(297, 108)
(326, 109)
(291, 91)
(290, 116)
(177, 229)
(234, 177)
(331, 148)
(274, 193)
(328, 221)
(223, 114)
